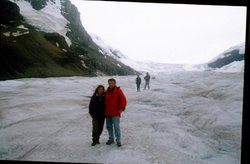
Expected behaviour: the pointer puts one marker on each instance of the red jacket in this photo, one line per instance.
(115, 102)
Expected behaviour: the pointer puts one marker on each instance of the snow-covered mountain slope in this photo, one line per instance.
(231, 60)
(229, 52)
(48, 19)
(62, 17)
(139, 66)
(46, 38)
(106, 49)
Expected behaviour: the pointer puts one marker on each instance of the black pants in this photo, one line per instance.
(97, 128)
(138, 87)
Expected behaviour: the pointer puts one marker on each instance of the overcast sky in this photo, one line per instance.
(167, 33)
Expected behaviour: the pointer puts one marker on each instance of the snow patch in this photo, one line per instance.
(22, 27)
(48, 19)
(7, 34)
(236, 66)
(19, 33)
(83, 64)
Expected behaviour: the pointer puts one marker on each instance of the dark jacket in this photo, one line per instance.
(138, 80)
(147, 77)
(97, 106)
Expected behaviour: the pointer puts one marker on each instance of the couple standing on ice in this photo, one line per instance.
(107, 104)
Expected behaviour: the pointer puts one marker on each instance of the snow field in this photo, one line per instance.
(186, 117)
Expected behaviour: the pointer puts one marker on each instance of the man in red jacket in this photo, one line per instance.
(115, 103)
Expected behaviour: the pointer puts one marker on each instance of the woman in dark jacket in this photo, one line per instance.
(97, 112)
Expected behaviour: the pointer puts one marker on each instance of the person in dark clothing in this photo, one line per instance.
(138, 83)
(97, 112)
(147, 78)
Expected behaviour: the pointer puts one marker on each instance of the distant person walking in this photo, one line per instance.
(147, 79)
(138, 83)
(115, 103)
(97, 112)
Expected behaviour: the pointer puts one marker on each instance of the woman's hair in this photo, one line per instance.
(99, 86)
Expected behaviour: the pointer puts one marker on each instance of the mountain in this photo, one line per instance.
(231, 60)
(230, 57)
(139, 66)
(46, 38)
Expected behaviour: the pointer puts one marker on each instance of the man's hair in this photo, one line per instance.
(112, 80)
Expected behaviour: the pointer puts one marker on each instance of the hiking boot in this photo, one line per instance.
(109, 142)
(94, 143)
(119, 144)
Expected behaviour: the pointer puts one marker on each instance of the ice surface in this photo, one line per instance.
(185, 118)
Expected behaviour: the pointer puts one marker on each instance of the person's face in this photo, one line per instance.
(100, 90)
(111, 84)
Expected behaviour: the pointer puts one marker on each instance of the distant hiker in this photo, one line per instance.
(147, 78)
(138, 83)
(115, 103)
(97, 112)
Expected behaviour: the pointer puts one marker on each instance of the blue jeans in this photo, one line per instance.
(146, 84)
(113, 123)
